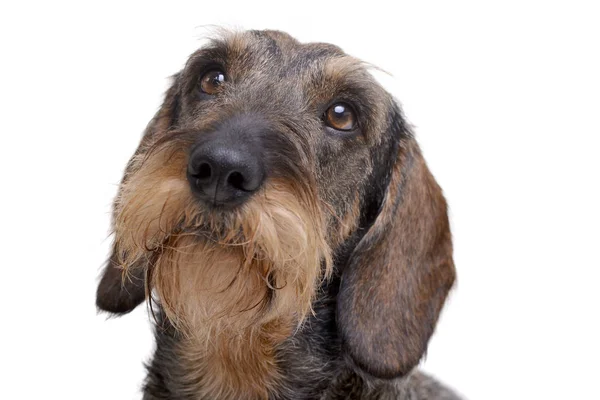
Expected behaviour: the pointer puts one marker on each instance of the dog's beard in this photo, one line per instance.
(229, 270)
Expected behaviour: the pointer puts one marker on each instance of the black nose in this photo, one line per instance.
(222, 175)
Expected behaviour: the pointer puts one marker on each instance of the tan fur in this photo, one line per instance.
(342, 226)
(349, 223)
(274, 244)
(234, 287)
(234, 364)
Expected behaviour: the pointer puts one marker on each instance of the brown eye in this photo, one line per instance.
(340, 116)
(211, 81)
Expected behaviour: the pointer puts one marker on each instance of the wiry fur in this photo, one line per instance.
(327, 282)
(275, 241)
(248, 275)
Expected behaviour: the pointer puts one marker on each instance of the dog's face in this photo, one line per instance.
(269, 163)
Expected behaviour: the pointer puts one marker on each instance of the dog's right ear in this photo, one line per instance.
(119, 293)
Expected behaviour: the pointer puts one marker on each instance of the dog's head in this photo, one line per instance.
(271, 165)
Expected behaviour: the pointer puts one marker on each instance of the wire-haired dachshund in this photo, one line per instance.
(282, 224)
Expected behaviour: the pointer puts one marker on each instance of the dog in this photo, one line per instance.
(280, 221)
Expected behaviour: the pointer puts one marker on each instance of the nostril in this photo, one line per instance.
(204, 171)
(236, 180)
(223, 176)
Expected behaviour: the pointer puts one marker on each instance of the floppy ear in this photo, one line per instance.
(398, 276)
(118, 293)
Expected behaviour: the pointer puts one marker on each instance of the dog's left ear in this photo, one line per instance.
(397, 278)
(120, 293)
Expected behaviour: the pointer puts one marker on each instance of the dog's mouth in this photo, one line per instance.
(208, 264)
(211, 233)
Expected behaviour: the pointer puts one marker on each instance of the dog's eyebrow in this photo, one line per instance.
(216, 52)
(347, 78)
(348, 69)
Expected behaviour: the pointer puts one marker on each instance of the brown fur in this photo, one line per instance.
(411, 245)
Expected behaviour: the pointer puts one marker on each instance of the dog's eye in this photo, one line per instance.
(211, 81)
(340, 116)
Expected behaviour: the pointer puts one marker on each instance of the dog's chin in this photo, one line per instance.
(209, 285)
(226, 269)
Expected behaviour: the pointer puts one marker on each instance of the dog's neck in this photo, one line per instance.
(233, 364)
(229, 317)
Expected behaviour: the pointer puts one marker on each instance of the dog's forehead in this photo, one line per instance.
(289, 54)
(273, 73)
(277, 55)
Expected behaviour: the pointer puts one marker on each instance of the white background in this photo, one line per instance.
(505, 97)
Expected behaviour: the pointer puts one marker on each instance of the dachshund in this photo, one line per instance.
(282, 225)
